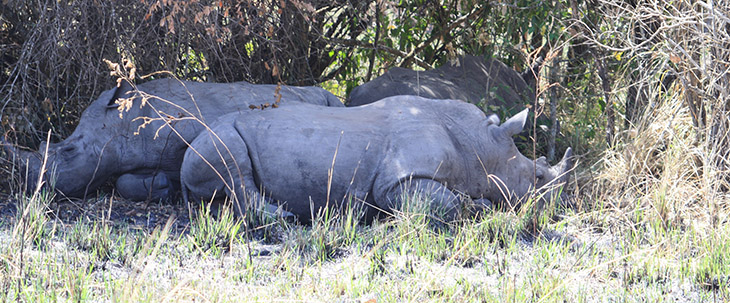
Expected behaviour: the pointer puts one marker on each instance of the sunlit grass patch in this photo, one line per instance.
(404, 257)
(104, 240)
(712, 267)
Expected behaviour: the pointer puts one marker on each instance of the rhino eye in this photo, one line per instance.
(539, 175)
(68, 150)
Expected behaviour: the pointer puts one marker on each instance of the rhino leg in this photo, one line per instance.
(245, 195)
(443, 200)
(145, 187)
(218, 165)
(245, 192)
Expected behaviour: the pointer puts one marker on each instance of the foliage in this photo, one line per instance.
(53, 51)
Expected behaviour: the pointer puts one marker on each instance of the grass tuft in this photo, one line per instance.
(32, 223)
(331, 234)
(214, 233)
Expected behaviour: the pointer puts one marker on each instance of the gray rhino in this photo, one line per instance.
(306, 156)
(144, 155)
(488, 83)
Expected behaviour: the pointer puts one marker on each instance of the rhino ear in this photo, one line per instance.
(492, 120)
(515, 124)
(120, 92)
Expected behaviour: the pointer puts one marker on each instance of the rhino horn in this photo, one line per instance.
(565, 165)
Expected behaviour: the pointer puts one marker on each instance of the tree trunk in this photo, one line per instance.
(554, 97)
(608, 108)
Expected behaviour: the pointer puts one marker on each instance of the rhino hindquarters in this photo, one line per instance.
(217, 164)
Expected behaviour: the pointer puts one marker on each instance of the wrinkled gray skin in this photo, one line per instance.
(441, 148)
(488, 83)
(103, 147)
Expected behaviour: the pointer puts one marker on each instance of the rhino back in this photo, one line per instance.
(190, 105)
(208, 101)
(488, 83)
(292, 150)
(301, 152)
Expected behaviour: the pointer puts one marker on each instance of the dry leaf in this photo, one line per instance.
(47, 105)
(674, 58)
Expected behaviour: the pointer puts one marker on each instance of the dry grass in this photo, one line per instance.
(489, 259)
(659, 166)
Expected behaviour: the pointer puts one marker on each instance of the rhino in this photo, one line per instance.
(488, 83)
(143, 155)
(302, 158)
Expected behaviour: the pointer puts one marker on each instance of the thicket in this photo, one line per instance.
(640, 87)
(53, 51)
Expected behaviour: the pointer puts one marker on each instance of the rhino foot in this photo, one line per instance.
(483, 204)
(443, 200)
(280, 213)
(145, 187)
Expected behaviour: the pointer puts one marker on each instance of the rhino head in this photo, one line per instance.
(79, 163)
(512, 176)
(69, 166)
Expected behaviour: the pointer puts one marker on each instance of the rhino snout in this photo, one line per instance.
(28, 163)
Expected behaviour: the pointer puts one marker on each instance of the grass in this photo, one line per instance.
(494, 257)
